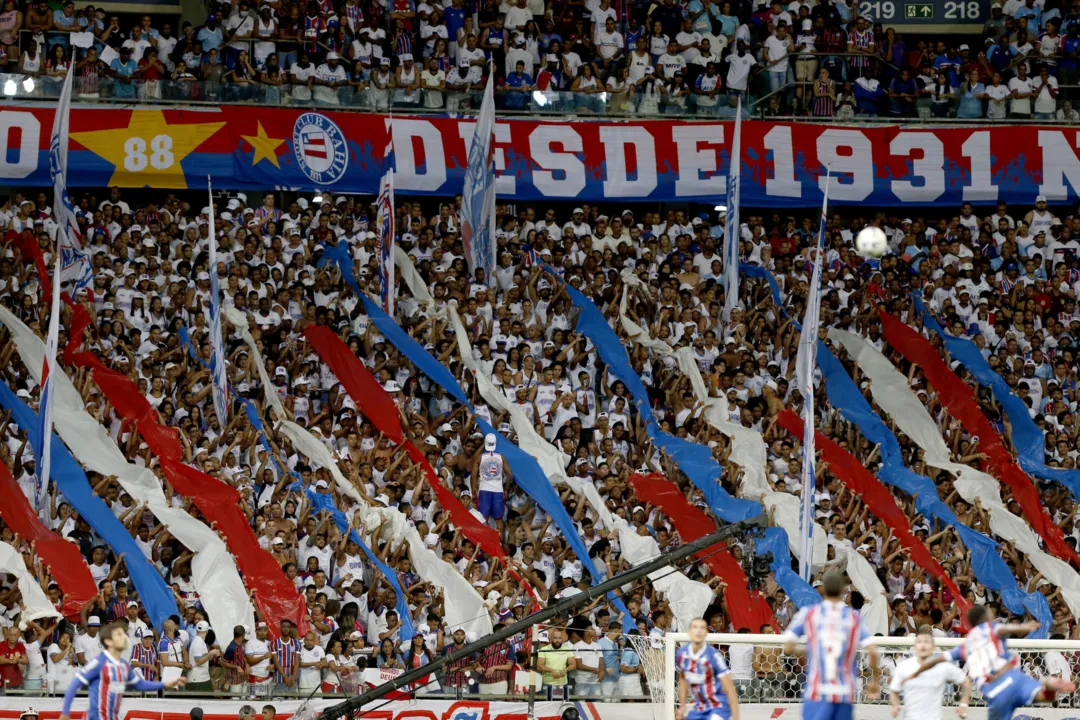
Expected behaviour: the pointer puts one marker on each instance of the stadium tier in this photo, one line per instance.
(349, 349)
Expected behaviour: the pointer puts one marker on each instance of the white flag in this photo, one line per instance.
(731, 222)
(76, 267)
(478, 194)
(805, 361)
(217, 350)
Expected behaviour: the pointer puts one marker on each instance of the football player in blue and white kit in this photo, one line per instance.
(834, 634)
(994, 669)
(107, 676)
(706, 677)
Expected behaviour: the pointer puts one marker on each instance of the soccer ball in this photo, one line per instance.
(871, 242)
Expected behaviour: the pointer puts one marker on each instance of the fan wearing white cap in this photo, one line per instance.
(88, 645)
(1039, 219)
(578, 224)
(328, 78)
(199, 656)
(489, 473)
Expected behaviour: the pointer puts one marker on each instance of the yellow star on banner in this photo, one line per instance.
(264, 146)
(149, 150)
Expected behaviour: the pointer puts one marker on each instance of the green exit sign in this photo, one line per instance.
(918, 11)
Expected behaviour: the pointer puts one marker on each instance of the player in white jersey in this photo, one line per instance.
(489, 475)
(988, 662)
(923, 696)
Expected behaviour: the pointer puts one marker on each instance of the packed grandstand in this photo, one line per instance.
(386, 487)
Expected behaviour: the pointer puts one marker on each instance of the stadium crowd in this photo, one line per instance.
(807, 57)
(1008, 275)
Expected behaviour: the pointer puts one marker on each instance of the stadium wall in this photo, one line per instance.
(179, 709)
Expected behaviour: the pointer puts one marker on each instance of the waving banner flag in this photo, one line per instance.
(748, 608)
(526, 472)
(74, 264)
(62, 559)
(156, 597)
(80, 321)
(478, 194)
(731, 223)
(805, 361)
(217, 347)
(1026, 436)
(877, 497)
(384, 221)
(959, 400)
(220, 504)
(377, 405)
(35, 603)
(213, 572)
(324, 502)
(464, 606)
(890, 389)
(694, 460)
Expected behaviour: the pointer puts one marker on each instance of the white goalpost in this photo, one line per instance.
(770, 684)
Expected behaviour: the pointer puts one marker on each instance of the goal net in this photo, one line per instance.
(770, 684)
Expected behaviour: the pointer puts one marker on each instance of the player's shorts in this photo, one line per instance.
(819, 710)
(491, 504)
(720, 713)
(1015, 689)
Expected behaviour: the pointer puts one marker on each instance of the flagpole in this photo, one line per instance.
(492, 223)
(66, 230)
(731, 222)
(805, 361)
(385, 222)
(217, 355)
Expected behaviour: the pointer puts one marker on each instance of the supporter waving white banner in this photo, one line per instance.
(893, 394)
(463, 607)
(213, 571)
(35, 602)
(688, 599)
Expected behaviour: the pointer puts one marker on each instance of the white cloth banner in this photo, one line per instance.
(893, 395)
(414, 282)
(240, 324)
(875, 612)
(687, 598)
(35, 602)
(464, 607)
(213, 570)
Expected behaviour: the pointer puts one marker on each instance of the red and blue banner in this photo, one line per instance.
(783, 164)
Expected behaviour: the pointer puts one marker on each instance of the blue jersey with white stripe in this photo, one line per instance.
(106, 678)
(702, 671)
(834, 633)
(983, 654)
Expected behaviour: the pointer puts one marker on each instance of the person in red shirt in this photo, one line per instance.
(13, 659)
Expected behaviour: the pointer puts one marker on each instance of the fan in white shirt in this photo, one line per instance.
(923, 695)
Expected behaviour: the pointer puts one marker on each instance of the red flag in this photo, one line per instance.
(748, 609)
